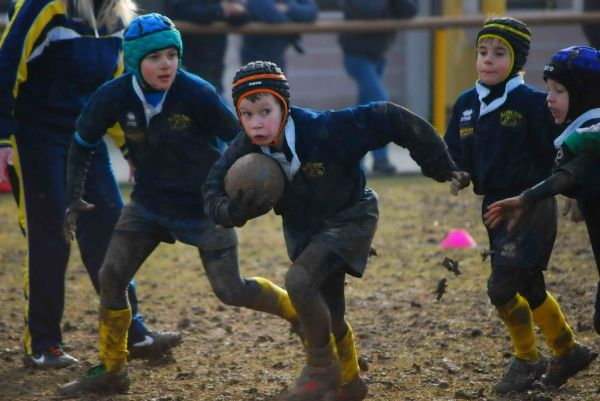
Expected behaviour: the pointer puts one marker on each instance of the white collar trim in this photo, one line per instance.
(482, 91)
(290, 168)
(149, 110)
(588, 115)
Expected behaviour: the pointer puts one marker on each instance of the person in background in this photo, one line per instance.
(364, 57)
(45, 82)
(205, 53)
(272, 47)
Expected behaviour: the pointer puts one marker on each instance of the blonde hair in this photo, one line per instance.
(110, 14)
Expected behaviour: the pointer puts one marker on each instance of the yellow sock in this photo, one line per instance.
(326, 356)
(549, 318)
(516, 316)
(274, 299)
(348, 357)
(114, 325)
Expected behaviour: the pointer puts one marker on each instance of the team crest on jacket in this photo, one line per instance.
(510, 118)
(314, 169)
(131, 120)
(466, 116)
(179, 122)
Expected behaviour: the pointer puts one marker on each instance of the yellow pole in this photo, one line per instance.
(443, 40)
(439, 80)
(493, 7)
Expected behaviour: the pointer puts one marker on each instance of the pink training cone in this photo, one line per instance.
(458, 238)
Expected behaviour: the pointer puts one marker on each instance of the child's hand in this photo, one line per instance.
(245, 206)
(571, 209)
(71, 214)
(460, 180)
(510, 209)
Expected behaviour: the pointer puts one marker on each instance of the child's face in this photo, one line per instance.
(160, 67)
(493, 61)
(261, 119)
(558, 100)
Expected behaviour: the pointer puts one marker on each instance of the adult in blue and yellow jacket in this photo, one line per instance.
(329, 215)
(501, 136)
(273, 47)
(53, 55)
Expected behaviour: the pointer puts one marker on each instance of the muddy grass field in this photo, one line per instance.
(417, 348)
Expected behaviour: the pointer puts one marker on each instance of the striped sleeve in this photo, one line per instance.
(25, 32)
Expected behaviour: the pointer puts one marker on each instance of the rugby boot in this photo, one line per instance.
(321, 377)
(154, 344)
(316, 383)
(296, 329)
(97, 380)
(53, 357)
(563, 367)
(520, 375)
(356, 390)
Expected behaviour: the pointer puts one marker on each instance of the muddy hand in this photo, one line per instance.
(71, 215)
(510, 209)
(460, 180)
(571, 209)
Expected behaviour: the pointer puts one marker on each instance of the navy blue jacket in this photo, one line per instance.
(507, 150)
(330, 146)
(172, 152)
(50, 65)
(272, 47)
(373, 45)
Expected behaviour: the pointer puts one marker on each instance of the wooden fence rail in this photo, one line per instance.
(418, 23)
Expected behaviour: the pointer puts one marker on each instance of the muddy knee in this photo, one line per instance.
(298, 284)
(113, 287)
(500, 291)
(232, 295)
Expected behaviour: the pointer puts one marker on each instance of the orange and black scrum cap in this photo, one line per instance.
(511, 32)
(261, 77)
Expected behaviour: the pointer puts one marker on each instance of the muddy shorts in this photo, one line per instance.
(530, 243)
(348, 233)
(202, 233)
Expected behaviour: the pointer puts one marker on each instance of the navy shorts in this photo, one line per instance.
(202, 233)
(530, 243)
(348, 234)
